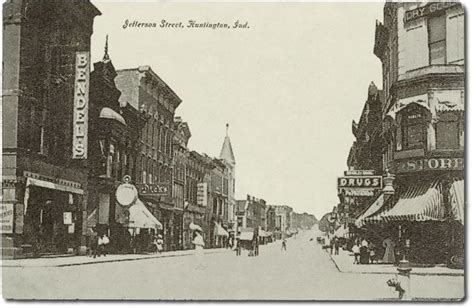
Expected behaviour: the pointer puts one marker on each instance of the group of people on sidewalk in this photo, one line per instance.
(98, 245)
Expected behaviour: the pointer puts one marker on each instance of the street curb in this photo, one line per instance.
(392, 273)
(109, 261)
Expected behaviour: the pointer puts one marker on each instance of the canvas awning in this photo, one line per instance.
(263, 233)
(220, 231)
(246, 236)
(457, 200)
(422, 202)
(372, 209)
(342, 232)
(141, 217)
(109, 113)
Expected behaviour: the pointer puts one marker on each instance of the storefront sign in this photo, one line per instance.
(202, 194)
(6, 217)
(373, 182)
(358, 192)
(153, 189)
(81, 106)
(427, 10)
(67, 218)
(359, 172)
(430, 164)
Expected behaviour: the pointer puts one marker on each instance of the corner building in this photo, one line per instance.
(421, 47)
(44, 180)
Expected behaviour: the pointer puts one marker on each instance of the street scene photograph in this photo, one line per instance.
(287, 151)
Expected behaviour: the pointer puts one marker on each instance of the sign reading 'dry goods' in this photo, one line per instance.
(429, 9)
(81, 106)
(429, 164)
(6, 218)
(369, 181)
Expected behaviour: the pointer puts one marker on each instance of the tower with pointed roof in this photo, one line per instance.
(227, 156)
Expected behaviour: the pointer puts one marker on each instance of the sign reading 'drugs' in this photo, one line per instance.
(81, 106)
(374, 182)
(428, 9)
(431, 164)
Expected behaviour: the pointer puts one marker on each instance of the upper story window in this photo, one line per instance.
(413, 128)
(437, 39)
(448, 131)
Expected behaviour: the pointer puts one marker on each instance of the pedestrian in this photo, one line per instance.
(372, 252)
(93, 240)
(238, 248)
(389, 255)
(159, 243)
(198, 242)
(356, 251)
(283, 244)
(336, 245)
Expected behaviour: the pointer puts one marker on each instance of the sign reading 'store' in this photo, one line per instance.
(81, 106)
(374, 182)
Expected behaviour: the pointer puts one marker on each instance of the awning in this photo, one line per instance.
(422, 202)
(246, 236)
(263, 233)
(140, 217)
(372, 209)
(342, 232)
(108, 113)
(54, 186)
(457, 200)
(221, 231)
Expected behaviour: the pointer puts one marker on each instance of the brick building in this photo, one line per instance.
(44, 118)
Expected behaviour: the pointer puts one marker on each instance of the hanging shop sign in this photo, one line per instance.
(81, 106)
(366, 182)
(202, 194)
(359, 172)
(126, 193)
(430, 164)
(429, 9)
(358, 192)
(153, 189)
(6, 217)
(67, 218)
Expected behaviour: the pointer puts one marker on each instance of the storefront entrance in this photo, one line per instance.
(52, 221)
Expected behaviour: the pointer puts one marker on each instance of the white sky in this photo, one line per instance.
(289, 86)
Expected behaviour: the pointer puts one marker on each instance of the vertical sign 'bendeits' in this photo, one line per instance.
(81, 106)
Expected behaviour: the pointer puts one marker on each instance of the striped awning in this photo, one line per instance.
(457, 199)
(372, 209)
(422, 202)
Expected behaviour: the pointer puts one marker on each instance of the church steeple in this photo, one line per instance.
(106, 49)
(226, 152)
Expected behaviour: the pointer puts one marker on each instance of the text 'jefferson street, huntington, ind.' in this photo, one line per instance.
(194, 24)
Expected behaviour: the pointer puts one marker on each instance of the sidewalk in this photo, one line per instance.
(345, 264)
(83, 260)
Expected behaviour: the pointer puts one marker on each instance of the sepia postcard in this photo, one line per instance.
(163, 150)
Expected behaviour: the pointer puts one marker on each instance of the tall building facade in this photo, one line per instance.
(143, 89)
(421, 47)
(114, 131)
(228, 158)
(46, 47)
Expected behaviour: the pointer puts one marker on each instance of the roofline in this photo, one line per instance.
(148, 69)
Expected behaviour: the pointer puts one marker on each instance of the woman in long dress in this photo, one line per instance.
(389, 255)
(199, 249)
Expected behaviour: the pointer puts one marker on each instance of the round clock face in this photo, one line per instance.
(126, 194)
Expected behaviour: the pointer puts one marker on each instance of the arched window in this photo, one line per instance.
(448, 131)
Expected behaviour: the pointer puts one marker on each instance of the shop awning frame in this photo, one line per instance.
(140, 217)
(457, 199)
(421, 202)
